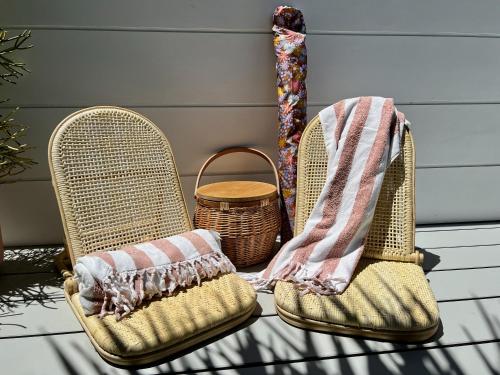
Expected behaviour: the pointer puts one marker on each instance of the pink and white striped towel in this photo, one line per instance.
(118, 281)
(362, 137)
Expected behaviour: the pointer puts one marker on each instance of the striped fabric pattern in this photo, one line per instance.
(118, 281)
(362, 137)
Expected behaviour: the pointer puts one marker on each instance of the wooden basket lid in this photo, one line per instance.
(236, 191)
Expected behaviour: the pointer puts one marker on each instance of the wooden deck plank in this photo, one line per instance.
(455, 258)
(264, 341)
(435, 238)
(464, 284)
(447, 285)
(468, 359)
(39, 260)
(34, 318)
(457, 226)
(458, 238)
(29, 260)
(55, 317)
(32, 286)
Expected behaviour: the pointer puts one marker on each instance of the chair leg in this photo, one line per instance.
(63, 262)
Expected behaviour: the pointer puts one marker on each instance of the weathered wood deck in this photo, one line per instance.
(40, 335)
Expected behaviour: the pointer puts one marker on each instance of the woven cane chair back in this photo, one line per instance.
(115, 180)
(392, 233)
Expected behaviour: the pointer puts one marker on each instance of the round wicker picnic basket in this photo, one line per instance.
(245, 213)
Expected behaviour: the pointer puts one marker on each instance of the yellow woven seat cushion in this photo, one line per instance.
(382, 296)
(170, 321)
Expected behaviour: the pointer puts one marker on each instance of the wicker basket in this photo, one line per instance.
(245, 213)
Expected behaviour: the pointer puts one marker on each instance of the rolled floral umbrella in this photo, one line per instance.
(291, 68)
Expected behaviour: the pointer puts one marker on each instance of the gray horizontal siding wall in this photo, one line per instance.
(204, 72)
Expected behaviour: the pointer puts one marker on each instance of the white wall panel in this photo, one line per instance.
(410, 69)
(427, 16)
(446, 195)
(29, 210)
(453, 135)
(194, 134)
(29, 213)
(445, 135)
(82, 68)
(204, 72)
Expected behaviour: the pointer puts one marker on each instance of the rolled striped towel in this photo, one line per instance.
(362, 137)
(120, 280)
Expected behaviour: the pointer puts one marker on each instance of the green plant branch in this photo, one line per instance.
(12, 161)
(9, 45)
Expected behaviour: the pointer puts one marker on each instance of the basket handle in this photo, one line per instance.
(232, 150)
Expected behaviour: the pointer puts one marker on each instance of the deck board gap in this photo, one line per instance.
(40, 334)
(458, 246)
(460, 269)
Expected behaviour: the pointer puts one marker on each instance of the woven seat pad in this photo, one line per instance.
(382, 296)
(167, 322)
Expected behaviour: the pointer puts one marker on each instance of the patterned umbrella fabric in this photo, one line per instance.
(291, 67)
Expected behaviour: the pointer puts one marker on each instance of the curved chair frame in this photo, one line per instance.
(116, 184)
(389, 297)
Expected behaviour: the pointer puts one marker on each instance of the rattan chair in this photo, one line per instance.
(116, 184)
(389, 297)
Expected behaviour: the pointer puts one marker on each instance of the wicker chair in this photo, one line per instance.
(389, 297)
(116, 184)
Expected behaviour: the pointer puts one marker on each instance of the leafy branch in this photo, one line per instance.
(8, 45)
(11, 147)
(11, 162)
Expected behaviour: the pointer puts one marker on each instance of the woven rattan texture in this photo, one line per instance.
(168, 321)
(382, 295)
(115, 180)
(392, 231)
(248, 233)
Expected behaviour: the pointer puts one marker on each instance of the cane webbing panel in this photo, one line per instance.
(115, 180)
(392, 232)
